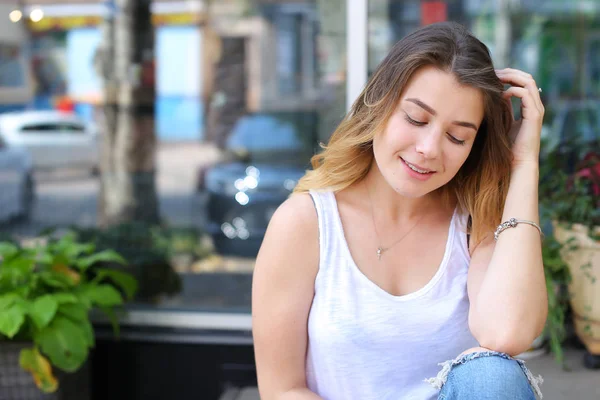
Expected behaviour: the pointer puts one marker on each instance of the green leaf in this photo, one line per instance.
(8, 300)
(103, 256)
(88, 331)
(65, 244)
(22, 264)
(122, 279)
(73, 276)
(32, 361)
(112, 317)
(76, 249)
(103, 295)
(44, 258)
(56, 280)
(11, 321)
(75, 312)
(83, 298)
(66, 250)
(65, 343)
(79, 314)
(64, 298)
(43, 310)
(8, 250)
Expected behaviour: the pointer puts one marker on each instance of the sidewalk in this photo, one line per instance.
(578, 384)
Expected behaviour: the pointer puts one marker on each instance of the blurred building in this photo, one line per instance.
(15, 81)
(217, 60)
(218, 52)
(62, 48)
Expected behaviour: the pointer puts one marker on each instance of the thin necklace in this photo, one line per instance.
(381, 249)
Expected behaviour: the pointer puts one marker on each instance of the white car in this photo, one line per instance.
(54, 139)
(17, 188)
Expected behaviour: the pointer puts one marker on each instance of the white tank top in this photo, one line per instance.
(364, 343)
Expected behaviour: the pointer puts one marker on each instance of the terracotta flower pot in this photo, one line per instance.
(584, 265)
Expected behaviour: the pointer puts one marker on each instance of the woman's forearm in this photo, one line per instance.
(299, 394)
(512, 300)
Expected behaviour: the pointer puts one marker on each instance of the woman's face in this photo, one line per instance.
(430, 134)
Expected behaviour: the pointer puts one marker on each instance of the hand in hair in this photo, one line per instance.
(526, 132)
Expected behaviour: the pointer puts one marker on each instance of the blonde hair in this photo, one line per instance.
(481, 184)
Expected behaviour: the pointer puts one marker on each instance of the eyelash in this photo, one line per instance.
(419, 123)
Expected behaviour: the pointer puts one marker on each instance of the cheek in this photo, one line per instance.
(398, 134)
(456, 158)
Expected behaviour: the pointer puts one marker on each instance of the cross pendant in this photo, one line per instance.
(379, 253)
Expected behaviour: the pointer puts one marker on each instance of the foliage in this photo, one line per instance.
(557, 278)
(570, 183)
(47, 290)
(152, 252)
(146, 251)
(569, 193)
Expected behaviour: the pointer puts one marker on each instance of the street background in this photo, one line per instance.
(176, 127)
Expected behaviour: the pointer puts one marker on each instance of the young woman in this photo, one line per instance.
(388, 260)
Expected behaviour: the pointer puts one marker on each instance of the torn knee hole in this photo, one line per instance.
(481, 352)
(474, 350)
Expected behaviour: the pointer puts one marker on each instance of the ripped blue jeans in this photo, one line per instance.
(486, 375)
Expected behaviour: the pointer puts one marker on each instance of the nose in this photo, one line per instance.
(429, 143)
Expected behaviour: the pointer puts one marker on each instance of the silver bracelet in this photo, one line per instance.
(512, 223)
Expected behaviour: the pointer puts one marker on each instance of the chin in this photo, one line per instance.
(414, 193)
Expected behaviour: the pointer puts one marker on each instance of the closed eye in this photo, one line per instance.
(455, 140)
(414, 121)
(419, 123)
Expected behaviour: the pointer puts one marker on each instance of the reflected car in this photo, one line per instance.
(54, 139)
(267, 154)
(17, 187)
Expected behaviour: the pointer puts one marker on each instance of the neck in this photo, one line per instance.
(391, 206)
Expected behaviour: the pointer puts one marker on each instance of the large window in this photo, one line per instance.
(244, 93)
(391, 20)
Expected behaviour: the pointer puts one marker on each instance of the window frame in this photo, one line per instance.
(356, 48)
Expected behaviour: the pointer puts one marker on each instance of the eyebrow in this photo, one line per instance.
(433, 112)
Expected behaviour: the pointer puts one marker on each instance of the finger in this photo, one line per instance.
(521, 76)
(523, 79)
(529, 108)
(533, 90)
(515, 72)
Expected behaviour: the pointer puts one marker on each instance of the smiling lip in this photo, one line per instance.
(417, 166)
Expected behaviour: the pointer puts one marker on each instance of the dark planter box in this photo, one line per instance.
(150, 370)
(155, 359)
(17, 384)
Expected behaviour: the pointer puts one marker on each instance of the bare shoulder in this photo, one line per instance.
(292, 236)
(297, 213)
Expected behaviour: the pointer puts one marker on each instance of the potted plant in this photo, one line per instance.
(147, 249)
(557, 280)
(47, 290)
(571, 193)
